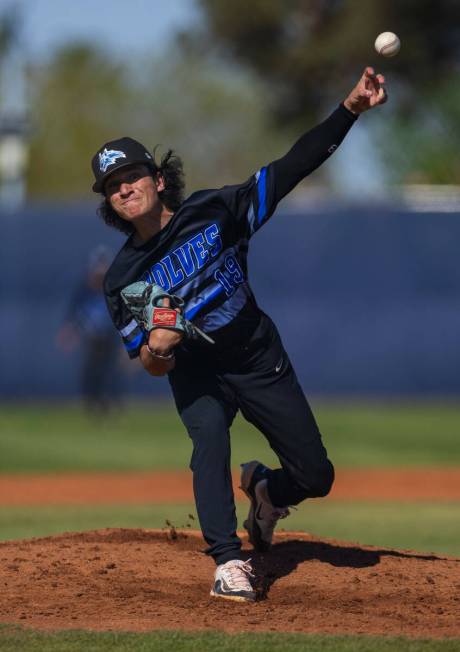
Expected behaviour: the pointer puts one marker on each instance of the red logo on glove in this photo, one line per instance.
(164, 317)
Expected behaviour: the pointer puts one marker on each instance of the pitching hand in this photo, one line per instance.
(368, 93)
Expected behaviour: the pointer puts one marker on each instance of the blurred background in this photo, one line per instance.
(369, 240)
(364, 253)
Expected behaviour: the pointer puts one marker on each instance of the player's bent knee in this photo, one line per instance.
(317, 482)
(323, 488)
(323, 480)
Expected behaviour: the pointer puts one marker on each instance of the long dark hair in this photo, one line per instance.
(172, 170)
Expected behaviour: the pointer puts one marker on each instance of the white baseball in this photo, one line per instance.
(387, 44)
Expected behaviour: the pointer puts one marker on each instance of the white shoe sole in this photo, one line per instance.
(234, 598)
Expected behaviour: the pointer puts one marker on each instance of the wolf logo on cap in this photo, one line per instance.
(109, 157)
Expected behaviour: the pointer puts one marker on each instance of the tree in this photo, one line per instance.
(80, 100)
(309, 52)
(304, 50)
(212, 117)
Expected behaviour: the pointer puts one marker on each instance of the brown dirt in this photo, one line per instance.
(140, 580)
(130, 488)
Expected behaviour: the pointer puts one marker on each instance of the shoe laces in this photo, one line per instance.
(236, 574)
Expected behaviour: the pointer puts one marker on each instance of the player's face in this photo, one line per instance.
(133, 192)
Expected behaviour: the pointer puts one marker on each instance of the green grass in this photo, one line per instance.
(13, 639)
(58, 438)
(45, 438)
(423, 527)
(50, 438)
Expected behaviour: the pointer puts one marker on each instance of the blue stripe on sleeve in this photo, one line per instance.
(135, 343)
(262, 190)
(190, 314)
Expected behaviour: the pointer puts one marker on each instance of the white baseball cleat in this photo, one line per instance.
(231, 581)
(263, 516)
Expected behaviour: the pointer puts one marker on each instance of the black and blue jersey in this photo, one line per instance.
(201, 254)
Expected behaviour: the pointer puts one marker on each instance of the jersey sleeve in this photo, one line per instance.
(254, 202)
(132, 334)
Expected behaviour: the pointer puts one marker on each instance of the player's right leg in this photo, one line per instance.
(263, 515)
(207, 414)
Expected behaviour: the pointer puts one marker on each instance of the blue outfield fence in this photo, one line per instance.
(367, 301)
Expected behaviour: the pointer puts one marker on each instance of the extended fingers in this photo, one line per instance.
(383, 95)
(370, 77)
(367, 82)
(379, 85)
(375, 84)
(368, 92)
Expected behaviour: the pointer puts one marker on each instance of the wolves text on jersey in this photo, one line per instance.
(184, 261)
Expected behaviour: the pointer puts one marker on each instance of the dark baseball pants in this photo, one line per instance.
(257, 378)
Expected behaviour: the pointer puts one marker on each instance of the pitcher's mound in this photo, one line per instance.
(140, 580)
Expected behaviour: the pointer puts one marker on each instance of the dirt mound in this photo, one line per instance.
(140, 580)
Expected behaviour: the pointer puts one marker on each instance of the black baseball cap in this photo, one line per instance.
(118, 154)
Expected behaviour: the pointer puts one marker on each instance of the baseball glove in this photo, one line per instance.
(145, 302)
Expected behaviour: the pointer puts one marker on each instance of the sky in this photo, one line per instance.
(133, 26)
